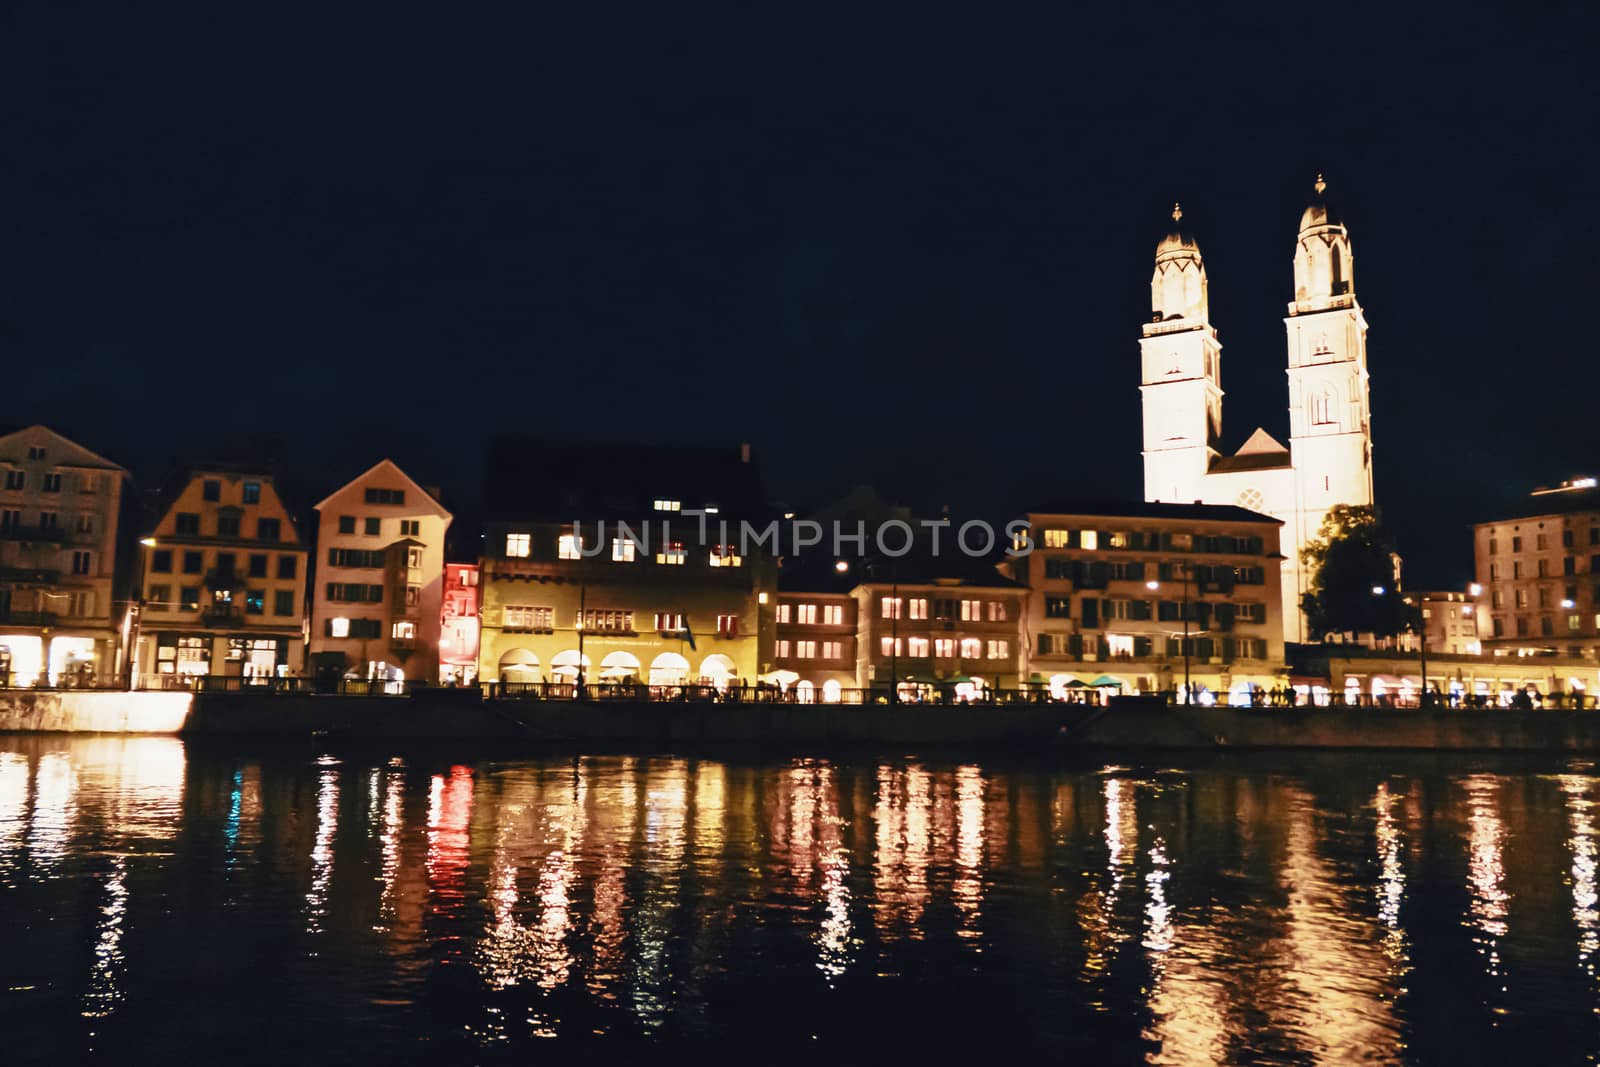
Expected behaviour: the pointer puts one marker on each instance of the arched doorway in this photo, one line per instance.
(717, 669)
(669, 668)
(832, 691)
(804, 692)
(619, 667)
(519, 665)
(564, 665)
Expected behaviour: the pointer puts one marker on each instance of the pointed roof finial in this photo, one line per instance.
(1320, 186)
(1177, 212)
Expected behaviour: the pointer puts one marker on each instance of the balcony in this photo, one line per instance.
(28, 618)
(54, 534)
(29, 576)
(228, 617)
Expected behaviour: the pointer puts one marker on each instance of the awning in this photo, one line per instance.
(1107, 681)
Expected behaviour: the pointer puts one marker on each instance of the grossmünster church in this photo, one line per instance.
(1328, 460)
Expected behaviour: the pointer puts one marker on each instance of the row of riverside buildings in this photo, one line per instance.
(615, 563)
(666, 566)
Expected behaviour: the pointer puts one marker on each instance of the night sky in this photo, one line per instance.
(908, 244)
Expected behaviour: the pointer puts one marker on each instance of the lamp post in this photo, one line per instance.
(136, 613)
(1188, 689)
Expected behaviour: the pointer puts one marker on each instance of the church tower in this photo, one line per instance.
(1181, 373)
(1330, 419)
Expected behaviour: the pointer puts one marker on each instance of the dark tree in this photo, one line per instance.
(1351, 566)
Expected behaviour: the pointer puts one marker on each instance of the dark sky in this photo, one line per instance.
(908, 243)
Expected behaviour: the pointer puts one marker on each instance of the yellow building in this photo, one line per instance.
(63, 596)
(654, 586)
(224, 582)
(1130, 596)
(375, 606)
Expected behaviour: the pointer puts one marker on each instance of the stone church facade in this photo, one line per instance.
(1328, 460)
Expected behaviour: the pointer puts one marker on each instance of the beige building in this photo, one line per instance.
(1538, 573)
(1449, 622)
(223, 586)
(814, 648)
(64, 514)
(953, 636)
(376, 602)
(1131, 596)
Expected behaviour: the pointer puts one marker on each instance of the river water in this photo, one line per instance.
(168, 903)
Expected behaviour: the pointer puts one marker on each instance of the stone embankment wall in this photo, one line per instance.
(72, 711)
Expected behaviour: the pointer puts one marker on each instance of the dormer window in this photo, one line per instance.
(663, 504)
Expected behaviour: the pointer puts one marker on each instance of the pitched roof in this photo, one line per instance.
(390, 465)
(82, 454)
(1146, 509)
(1261, 441)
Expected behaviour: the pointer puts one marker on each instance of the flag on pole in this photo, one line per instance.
(688, 635)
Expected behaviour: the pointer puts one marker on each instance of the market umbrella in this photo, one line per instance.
(1105, 680)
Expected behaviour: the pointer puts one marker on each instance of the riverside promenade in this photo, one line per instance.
(1123, 723)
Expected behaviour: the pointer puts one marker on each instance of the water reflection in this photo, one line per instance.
(1486, 871)
(1212, 914)
(1585, 894)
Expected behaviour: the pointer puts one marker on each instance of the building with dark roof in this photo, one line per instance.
(1139, 597)
(1538, 573)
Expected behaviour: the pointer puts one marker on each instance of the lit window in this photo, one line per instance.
(806, 614)
(405, 630)
(1089, 539)
(971, 610)
(781, 613)
(997, 611)
(518, 545)
(1057, 538)
(524, 617)
(919, 608)
(805, 650)
(726, 556)
(622, 549)
(1117, 540)
(672, 554)
(669, 622)
(890, 646)
(668, 505)
(833, 614)
(1574, 623)
(1002, 649)
(832, 650)
(971, 648)
(339, 627)
(568, 546)
(781, 648)
(1116, 644)
(891, 607)
(944, 647)
(917, 647)
(727, 626)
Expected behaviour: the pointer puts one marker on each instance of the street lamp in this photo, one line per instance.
(1188, 688)
(136, 616)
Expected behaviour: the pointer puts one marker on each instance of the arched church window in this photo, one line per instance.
(1252, 500)
(1320, 406)
(1338, 271)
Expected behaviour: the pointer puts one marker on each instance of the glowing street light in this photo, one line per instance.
(1475, 589)
(1377, 590)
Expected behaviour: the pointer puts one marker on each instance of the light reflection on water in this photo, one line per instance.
(1214, 914)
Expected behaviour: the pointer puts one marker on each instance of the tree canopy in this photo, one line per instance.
(1351, 568)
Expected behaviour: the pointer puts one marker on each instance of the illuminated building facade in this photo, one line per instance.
(1113, 590)
(63, 604)
(224, 581)
(663, 593)
(458, 625)
(1449, 621)
(376, 606)
(1329, 458)
(814, 649)
(1538, 572)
